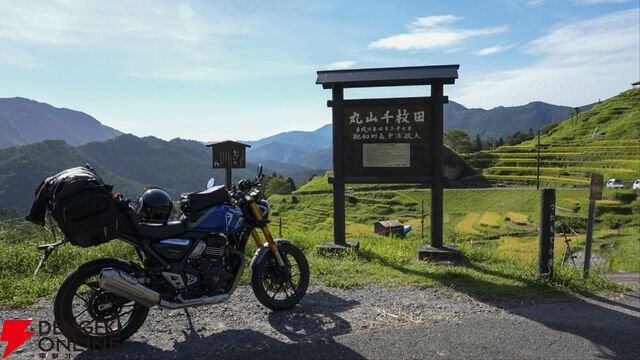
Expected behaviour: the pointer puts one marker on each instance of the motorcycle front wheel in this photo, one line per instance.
(92, 317)
(278, 287)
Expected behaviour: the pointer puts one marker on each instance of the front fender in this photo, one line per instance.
(260, 253)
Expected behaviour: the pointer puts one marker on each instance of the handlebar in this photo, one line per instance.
(245, 186)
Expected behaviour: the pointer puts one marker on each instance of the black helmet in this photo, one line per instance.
(154, 206)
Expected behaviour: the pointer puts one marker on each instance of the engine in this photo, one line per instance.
(210, 268)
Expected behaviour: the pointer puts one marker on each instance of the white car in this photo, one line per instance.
(636, 184)
(614, 184)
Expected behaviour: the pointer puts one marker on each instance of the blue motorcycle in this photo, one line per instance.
(197, 260)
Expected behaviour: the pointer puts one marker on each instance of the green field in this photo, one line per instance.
(495, 228)
(499, 260)
(604, 139)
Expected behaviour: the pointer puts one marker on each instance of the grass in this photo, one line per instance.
(503, 267)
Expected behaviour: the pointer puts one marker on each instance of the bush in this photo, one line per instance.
(626, 197)
(613, 209)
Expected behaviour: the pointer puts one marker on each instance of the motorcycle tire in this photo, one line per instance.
(100, 306)
(292, 281)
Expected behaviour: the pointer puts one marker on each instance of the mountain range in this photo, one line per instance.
(127, 162)
(29, 151)
(24, 121)
(312, 149)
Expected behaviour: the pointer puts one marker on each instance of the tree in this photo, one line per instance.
(576, 111)
(458, 140)
(277, 184)
(478, 143)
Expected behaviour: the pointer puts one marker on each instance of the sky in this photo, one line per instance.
(214, 70)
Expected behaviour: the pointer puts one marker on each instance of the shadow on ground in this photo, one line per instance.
(310, 326)
(584, 317)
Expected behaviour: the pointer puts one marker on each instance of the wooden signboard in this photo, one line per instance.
(387, 140)
(597, 185)
(391, 140)
(229, 154)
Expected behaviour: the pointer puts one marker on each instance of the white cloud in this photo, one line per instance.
(338, 65)
(493, 50)
(145, 38)
(431, 21)
(598, 2)
(535, 3)
(578, 64)
(430, 33)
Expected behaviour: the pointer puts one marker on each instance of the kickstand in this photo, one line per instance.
(48, 248)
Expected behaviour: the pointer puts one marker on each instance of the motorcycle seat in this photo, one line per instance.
(154, 231)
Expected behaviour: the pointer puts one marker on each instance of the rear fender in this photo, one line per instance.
(260, 254)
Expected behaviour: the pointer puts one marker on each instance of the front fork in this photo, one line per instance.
(265, 231)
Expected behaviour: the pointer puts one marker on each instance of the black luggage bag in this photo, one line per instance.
(81, 204)
(197, 201)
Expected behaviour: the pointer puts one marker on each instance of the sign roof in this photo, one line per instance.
(392, 76)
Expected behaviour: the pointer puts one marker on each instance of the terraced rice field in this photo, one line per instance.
(605, 139)
(466, 225)
(517, 218)
(559, 164)
(490, 219)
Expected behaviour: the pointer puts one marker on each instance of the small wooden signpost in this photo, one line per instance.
(228, 155)
(391, 140)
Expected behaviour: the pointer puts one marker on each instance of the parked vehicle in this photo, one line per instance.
(636, 184)
(198, 260)
(615, 184)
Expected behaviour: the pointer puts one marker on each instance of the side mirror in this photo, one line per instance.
(211, 183)
(260, 170)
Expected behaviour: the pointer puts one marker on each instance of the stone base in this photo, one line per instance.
(330, 247)
(444, 253)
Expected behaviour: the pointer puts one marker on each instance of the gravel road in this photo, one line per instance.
(374, 323)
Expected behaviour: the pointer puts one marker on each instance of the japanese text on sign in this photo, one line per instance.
(388, 125)
(386, 139)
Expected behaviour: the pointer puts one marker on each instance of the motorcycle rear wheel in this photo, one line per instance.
(87, 315)
(281, 288)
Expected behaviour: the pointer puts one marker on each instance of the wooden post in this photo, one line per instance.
(595, 193)
(437, 164)
(538, 163)
(589, 239)
(422, 220)
(547, 231)
(338, 168)
(228, 178)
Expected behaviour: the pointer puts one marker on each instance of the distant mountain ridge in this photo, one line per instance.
(503, 121)
(312, 149)
(128, 162)
(24, 121)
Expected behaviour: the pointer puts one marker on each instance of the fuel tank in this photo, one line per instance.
(226, 219)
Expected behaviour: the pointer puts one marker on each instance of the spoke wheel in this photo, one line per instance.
(92, 317)
(278, 287)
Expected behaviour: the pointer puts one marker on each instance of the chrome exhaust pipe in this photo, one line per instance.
(127, 286)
